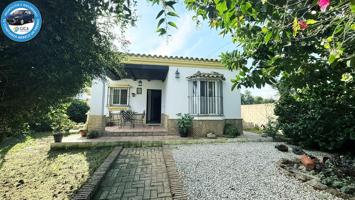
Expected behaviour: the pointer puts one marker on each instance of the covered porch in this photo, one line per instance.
(132, 102)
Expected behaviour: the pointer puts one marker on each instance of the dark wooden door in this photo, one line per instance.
(153, 106)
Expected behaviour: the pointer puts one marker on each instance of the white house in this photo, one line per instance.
(160, 87)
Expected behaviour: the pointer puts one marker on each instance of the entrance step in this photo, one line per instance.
(136, 133)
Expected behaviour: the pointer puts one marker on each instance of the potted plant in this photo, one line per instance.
(184, 123)
(58, 136)
(58, 124)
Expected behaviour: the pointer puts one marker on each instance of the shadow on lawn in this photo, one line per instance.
(34, 163)
(6, 144)
(93, 157)
(9, 142)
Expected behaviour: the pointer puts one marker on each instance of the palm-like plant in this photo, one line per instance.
(184, 123)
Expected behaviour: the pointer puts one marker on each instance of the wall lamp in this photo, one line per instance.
(177, 74)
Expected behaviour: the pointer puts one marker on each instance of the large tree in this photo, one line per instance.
(280, 38)
(247, 99)
(306, 48)
(73, 46)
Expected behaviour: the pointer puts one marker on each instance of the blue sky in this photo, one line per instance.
(188, 40)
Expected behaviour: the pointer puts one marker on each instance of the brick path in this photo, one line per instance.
(138, 173)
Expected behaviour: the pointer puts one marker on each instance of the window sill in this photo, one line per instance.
(208, 117)
(118, 107)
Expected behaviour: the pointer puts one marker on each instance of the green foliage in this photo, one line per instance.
(271, 129)
(77, 110)
(281, 39)
(247, 99)
(93, 134)
(230, 131)
(184, 122)
(309, 51)
(165, 15)
(55, 120)
(41, 124)
(338, 172)
(321, 116)
(59, 120)
(72, 48)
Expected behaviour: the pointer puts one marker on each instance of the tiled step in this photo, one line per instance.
(136, 133)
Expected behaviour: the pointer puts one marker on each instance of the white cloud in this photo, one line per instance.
(178, 39)
(194, 47)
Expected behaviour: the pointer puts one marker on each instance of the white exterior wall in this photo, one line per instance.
(177, 93)
(97, 103)
(174, 94)
(139, 102)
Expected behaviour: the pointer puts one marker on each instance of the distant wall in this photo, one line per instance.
(257, 114)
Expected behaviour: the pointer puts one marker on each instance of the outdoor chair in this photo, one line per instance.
(114, 119)
(140, 119)
(127, 116)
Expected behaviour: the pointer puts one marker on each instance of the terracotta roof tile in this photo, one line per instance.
(173, 57)
(211, 75)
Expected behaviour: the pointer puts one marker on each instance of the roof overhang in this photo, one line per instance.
(143, 72)
(172, 61)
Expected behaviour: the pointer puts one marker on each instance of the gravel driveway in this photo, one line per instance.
(239, 171)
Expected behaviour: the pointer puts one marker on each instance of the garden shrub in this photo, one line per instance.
(45, 121)
(230, 131)
(271, 129)
(320, 117)
(41, 125)
(77, 110)
(93, 134)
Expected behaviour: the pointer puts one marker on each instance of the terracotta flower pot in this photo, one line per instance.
(83, 133)
(308, 162)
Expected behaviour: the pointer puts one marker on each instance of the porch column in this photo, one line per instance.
(96, 118)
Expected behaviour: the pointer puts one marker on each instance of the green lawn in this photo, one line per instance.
(29, 170)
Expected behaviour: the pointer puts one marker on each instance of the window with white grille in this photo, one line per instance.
(205, 97)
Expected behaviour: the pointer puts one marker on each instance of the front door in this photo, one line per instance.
(153, 106)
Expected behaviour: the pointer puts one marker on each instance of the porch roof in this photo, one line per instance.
(142, 71)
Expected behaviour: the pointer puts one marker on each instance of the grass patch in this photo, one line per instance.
(29, 170)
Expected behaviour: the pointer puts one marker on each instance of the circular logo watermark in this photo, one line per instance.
(21, 21)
